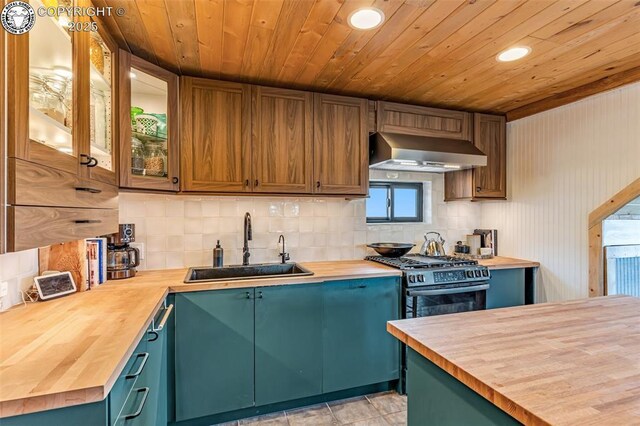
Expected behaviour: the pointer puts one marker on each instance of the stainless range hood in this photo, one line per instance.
(394, 151)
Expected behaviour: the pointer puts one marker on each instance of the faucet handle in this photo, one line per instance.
(286, 256)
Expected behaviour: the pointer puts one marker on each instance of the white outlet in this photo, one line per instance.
(4, 288)
(139, 246)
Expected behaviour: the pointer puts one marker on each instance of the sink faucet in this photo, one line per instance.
(284, 255)
(247, 238)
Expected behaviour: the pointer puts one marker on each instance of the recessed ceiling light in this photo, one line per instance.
(132, 74)
(63, 72)
(513, 54)
(366, 18)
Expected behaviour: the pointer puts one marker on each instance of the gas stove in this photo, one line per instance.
(418, 270)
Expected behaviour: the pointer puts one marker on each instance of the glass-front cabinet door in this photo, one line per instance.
(148, 120)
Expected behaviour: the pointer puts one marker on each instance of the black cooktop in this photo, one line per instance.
(416, 261)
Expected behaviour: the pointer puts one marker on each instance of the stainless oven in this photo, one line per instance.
(445, 299)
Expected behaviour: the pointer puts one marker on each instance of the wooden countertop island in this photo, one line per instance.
(571, 363)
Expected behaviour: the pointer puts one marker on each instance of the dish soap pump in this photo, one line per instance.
(218, 256)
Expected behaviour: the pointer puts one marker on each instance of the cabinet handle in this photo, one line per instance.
(154, 336)
(145, 357)
(88, 160)
(88, 189)
(260, 295)
(86, 221)
(362, 286)
(248, 295)
(164, 319)
(257, 182)
(478, 189)
(175, 180)
(318, 184)
(246, 182)
(136, 413)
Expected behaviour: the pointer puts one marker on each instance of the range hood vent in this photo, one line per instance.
(394, 151)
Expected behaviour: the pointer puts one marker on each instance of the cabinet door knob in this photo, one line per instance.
(87, 160)
(246, 182)
(318, 184)
(478, 189)
(257, 182)
(175, 180)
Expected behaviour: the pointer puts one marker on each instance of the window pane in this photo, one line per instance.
(405, 202)
(377, 203)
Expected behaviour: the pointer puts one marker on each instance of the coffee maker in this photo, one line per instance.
(122, 259)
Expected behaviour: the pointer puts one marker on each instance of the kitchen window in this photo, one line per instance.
(392, 202)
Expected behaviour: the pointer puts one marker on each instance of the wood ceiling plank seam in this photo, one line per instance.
(336, 33)
(608, 66)
(608, 83)
(209, 16)
(237, 18)
(182, 17)
(382, 68)
(458, 64)
(112, 27)
(408, 14)
(355, 42)
(590, 55)
(158, 28)
(316, 25)
(294, 14)
(136, 35)
(419, 51)
(261, 28)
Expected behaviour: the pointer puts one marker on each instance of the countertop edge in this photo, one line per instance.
(485, 390)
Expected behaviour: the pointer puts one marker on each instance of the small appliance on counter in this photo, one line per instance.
(488, 240)
(122, 259)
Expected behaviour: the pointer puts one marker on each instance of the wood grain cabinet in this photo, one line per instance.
(149, 122)
(490, 182)
(216, 136)
(424, 121)
(60, 135)
(282, 140)
(341, 145)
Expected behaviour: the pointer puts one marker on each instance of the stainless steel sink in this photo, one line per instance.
(237, 272)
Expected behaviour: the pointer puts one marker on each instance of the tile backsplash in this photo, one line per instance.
(179, 231)
(18, 270)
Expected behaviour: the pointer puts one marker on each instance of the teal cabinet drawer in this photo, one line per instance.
(128, 377)
(214, 352)
(288, 346)
(96, 413)
(357, 350)
(135, 410)
(507, 288)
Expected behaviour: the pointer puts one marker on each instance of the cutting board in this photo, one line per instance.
(71, 256)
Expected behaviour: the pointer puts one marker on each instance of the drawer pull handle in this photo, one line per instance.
(136, 413)
(164, 319)
(86, 221)
(154, 336)
(89, 190)
(145, 357)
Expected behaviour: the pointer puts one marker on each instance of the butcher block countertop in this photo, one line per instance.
(70, 350)
(571, 363)
(500, 262)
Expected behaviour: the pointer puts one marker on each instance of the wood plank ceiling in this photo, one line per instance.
(429, 52)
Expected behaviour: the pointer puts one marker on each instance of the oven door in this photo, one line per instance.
(445, 299)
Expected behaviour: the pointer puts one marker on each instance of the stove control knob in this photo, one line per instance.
(412, 278)
(469, 274)
(421, 278)
(478, 273)
(485, 272)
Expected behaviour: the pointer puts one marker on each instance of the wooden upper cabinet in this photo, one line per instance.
(341, 141)
(489, 136)
(149, 136)
(417, 120)
(216, 136)
(489, 182)
(282, 140)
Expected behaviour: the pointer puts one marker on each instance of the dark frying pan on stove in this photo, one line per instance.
(392, 249)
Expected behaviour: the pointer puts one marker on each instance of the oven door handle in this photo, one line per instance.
(441, 291)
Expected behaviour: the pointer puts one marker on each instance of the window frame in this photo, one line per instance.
(391, 187)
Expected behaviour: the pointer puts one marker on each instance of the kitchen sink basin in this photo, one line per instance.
(237, 272)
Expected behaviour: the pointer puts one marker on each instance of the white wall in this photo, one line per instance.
(182, 230)
(561, 164)
(18, 270)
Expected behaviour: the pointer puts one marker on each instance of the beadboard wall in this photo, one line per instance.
(179, 231)
(561, 164)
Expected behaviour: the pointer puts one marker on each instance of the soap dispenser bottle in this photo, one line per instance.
(218, 256)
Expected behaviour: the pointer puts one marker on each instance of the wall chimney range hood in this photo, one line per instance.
(394, 151)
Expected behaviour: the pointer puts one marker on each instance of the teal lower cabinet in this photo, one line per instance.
(137, 398)
(437, 398)
(357, 350)
(214, 352)
(507, 288)
(288, 345)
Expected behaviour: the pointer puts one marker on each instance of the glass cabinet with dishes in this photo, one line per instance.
(148, 117)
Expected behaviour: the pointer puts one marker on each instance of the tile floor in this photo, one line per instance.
(381, 409)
